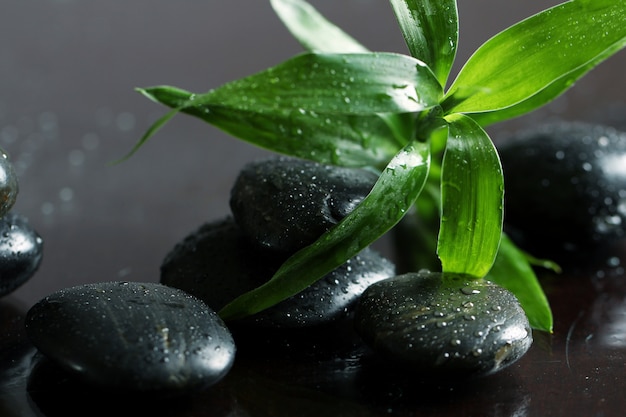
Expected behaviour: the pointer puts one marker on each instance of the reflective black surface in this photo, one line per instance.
(67, 109)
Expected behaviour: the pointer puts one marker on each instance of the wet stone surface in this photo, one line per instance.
(443, 327)
(217, 263)
(128, 336)
(577, 166)
(9, 187)
(287, 203)
(21, 252)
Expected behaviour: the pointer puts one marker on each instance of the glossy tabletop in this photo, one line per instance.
(68, 109)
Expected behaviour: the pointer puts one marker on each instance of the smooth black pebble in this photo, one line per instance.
(130, 336)
(9, 187)
(443, 327)
(286, 203)
(21, 252)
(565, 185)
(217, 263)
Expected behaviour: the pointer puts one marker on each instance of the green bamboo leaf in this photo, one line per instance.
(431, 30)
(472, 190)
(313, 31)
(347, 140)
(393, 194)
(557, 45)
(542, 97)
(332, 108)
(156, 126)
(333, 84)
(512, 271)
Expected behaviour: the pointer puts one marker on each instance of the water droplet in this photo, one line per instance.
(66, 194)
(125, 121)
(469, 290)
(76, 157)
(613, 261)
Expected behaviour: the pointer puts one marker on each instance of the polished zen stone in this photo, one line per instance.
(129, 336)
(287, 203)
(21, 252)
(9, 187)
(443, 327)
(217, 263)
(565, 185)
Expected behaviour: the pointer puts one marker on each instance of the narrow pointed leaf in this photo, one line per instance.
(471, 199)
(332, 108)
(430, 29)
(393, 194)
(512, 271)
(156, 126)
(555, 46)
(312, 30)
(347, 140)
(542, 97)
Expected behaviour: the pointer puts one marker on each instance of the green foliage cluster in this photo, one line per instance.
(341, 104)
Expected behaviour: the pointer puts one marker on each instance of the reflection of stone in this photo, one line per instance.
(15, 354)
(607, 317)
(13, 394)
(612, 321)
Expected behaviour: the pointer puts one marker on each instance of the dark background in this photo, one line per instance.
(68, 108)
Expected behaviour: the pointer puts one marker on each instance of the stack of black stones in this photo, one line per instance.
(167, 337)
(21, 247)
(437, 326)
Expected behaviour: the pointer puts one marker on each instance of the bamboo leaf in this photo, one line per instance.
(345, 109)
(538, 57)
(512, 271)
(431, 31)
(313, 31)
(472, 193)
(333, 84)
(347, 140)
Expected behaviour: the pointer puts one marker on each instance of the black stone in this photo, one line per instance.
(21, 252)
(9, 187)
(287, 203)
(565, 185)
(130, 336)
(217, 263)
(445, 327)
